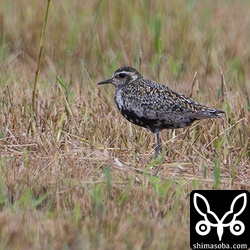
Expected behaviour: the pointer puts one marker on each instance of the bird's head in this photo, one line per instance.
(122, 76)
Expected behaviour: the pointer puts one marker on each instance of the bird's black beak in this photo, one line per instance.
(105, 81)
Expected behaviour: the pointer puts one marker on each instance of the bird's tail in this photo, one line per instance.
(209, 113)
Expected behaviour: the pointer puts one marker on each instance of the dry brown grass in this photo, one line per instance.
(75, 174)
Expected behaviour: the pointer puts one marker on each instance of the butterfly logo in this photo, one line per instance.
(203, 227)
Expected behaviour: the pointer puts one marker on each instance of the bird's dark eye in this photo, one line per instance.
(122, 75)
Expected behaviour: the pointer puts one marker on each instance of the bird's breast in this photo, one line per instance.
(119, 100)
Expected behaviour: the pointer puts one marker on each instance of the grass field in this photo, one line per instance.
(74, 174)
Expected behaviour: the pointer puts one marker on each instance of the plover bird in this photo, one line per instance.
(155, 106)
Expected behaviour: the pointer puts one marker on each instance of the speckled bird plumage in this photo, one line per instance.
(155, 106)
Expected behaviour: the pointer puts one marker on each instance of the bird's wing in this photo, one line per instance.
(155, 101)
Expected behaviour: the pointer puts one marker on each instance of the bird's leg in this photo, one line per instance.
(158, 145)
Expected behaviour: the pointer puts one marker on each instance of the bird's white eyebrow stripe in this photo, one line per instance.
(123, 72)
